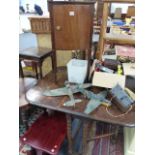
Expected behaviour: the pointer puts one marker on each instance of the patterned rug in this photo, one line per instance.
(102, 146)
(106, 145)
(34, 115)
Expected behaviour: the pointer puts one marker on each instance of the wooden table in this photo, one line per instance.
(35, 54)
(24, 85)
(35, 97)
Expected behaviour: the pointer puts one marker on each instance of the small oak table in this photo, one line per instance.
(35, 54)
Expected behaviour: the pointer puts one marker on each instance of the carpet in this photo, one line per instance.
(106, 146)
(102, 146)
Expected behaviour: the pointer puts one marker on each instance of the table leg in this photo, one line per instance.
(36, 70)
(54, 64)
(88, 58)
(115, 136)
(69, 134)
(84, 137)
(21, 69)
(40, 69)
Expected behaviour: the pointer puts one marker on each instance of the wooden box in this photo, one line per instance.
(108, 80)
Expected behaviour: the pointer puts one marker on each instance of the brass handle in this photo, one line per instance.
(58, 28)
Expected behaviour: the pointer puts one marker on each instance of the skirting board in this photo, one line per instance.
(108, 80)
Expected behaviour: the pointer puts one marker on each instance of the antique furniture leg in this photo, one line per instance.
(54, 64)
(40, 152)
(36, 71)
(69, 134)
(21, 70)
(34, 151)
(84, 136)
(87, 57)
(115, 136)
(31, 152)
(53, 59)
(40, 69)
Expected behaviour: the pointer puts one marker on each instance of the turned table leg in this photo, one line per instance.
(69, 134)
(115, 135)
(84, 137)
(54, 64)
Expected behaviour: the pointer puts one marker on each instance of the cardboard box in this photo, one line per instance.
(107, 80)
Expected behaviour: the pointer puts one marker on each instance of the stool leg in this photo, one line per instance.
(69, 134)
(21, 70)
(40, 69)
(39, 152)
(36, 70)
(31, 152)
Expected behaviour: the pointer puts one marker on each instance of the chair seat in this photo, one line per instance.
(47, 133)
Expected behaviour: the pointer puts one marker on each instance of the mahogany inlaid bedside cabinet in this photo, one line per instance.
(71, 27)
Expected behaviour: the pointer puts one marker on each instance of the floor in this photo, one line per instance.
(103, 146)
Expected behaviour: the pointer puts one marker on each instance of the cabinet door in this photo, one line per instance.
(72, 26)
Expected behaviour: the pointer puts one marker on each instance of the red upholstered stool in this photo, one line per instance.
(46, 134)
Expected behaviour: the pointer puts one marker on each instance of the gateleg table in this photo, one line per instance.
(35, 97)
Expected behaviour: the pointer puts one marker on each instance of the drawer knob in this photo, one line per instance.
(58, 28)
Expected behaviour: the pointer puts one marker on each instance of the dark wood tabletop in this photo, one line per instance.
(35, 97)
(38, 52)
(24, 85)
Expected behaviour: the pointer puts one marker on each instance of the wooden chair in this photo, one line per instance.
(46, 134)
